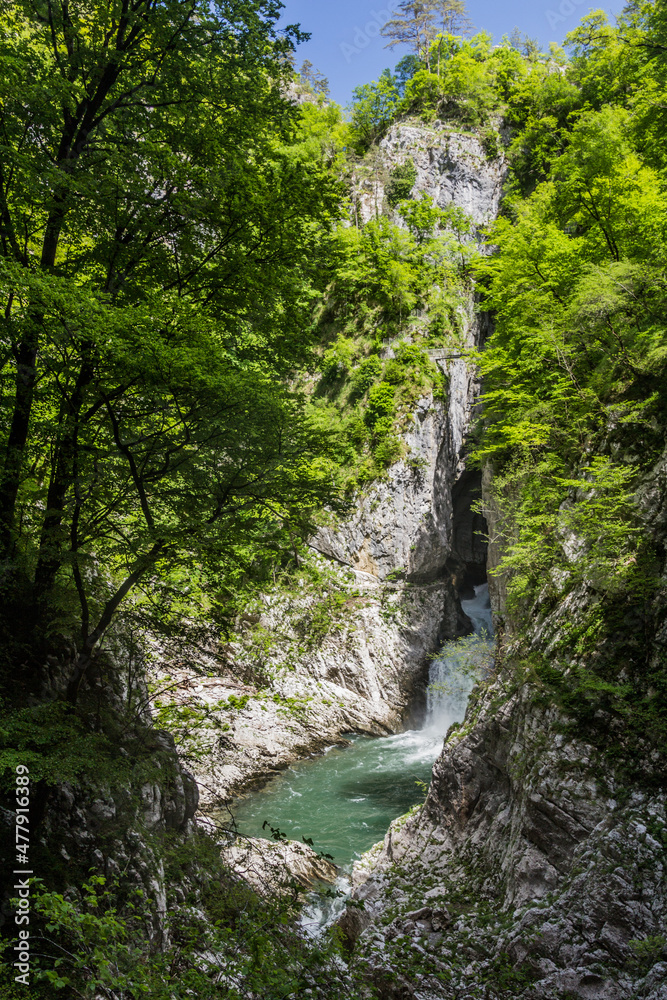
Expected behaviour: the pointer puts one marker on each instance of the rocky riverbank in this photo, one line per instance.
(536, 866)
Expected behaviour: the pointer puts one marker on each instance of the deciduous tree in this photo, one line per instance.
(162, 224)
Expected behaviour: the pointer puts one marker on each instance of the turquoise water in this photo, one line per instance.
(346, 799)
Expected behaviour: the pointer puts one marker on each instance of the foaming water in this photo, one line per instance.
(345, 799)
(460, 665)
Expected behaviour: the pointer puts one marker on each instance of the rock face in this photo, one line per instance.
(452, 167)
(118, 833)
(271, 866)
(531, 870)
(400, 558)
(405, 526)
(408, 524)
(363, 676)
(521, 869)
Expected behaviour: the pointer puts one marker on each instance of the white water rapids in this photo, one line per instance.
(345, 799)
(460, 664)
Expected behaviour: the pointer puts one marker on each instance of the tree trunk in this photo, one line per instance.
(26, 377)
(141, 566)
(50, 545)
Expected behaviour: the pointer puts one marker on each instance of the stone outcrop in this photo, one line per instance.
(452, 167)
(401, 556)
(116, 829)
(534, 868)
(521, 868)
(363, 676)
(275, 866)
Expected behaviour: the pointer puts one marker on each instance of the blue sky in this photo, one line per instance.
(347, 48)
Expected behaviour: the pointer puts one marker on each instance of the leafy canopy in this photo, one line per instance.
(165, 229)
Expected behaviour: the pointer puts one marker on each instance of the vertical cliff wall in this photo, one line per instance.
(536, 867)
(400, 558)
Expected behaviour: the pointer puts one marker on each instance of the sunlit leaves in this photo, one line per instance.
(571, 374)
(166, 229)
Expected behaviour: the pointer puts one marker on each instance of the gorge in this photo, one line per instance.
(333, 512)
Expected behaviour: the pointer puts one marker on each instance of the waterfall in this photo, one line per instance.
(460, 665)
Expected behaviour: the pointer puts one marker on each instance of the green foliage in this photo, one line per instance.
(574, 411)
(373, 110)
(401, 182)
(366, 374)
(423, 94)
(423, 218)
(560, 533)
(380, 404)
(157, 274)
(388, 281)
(647, 951)
(473, 83)
(56, 745)
(227, 944)
(338, 359)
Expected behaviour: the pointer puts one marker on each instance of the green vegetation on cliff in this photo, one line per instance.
(167, 216)
(203, 349)
(574, 381)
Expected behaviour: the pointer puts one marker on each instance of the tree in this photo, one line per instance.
(452, 17)
(314, 78)
(161, 229)
(523, 43)
(414, 27)
(420, 21)
(405, 70)
(373, 109)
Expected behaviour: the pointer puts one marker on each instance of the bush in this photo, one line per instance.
(365, 375)
(388, 451)
(411, 354)
(381, 404)
(423, 93)
(401, 182)
(374, 108)
(337, 360)
(393, 373)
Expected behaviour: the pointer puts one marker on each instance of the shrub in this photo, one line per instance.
(423, 93)
(337, 360)
(380, 404)
(365, 375)
(373, 110)
(388, 450)
(401, 182)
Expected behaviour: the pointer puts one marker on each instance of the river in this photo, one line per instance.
(345, 799)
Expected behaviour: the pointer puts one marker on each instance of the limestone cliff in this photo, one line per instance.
(536, 867)
(523, 870)
(452, 167)
(397, 561)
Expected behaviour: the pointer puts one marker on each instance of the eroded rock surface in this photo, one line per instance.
(274, 866)
(522, 868)
(364, 676)
(412, 540)
(452, 167)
